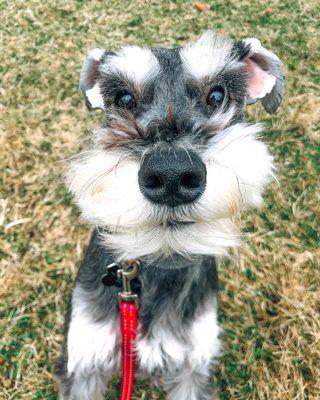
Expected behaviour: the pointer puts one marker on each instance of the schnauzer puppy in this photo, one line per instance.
(171, 166)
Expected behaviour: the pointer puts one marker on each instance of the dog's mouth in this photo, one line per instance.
(171, 218)
(171, 223)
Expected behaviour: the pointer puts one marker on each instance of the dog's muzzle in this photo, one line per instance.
(172, 176)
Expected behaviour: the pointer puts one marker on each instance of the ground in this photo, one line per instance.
(269, 293)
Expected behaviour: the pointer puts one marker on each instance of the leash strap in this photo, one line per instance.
(129, 324)
(125, 276)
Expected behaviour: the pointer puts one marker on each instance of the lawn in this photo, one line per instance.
(269, 293)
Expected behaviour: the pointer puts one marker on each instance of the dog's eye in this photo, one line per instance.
(125, 100)
(216, 96)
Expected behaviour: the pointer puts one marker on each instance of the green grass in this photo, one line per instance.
(270, 293)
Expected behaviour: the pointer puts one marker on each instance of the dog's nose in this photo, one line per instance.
(172, 176)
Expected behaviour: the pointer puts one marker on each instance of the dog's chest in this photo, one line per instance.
(177, 318)
(166, 346)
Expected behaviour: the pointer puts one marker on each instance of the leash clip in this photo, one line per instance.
(128, 272)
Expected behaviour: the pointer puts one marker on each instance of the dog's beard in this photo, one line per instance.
(105, 185)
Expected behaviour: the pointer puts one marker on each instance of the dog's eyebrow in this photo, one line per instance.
(115, 82)
(207, 56)
(136, 63)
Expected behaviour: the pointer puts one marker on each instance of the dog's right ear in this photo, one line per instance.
(89, 80)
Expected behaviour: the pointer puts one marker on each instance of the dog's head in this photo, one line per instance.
(174, 160)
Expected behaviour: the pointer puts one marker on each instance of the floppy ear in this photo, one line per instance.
(89, 80)
(265, 76)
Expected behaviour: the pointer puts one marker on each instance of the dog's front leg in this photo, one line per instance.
(192, 380)
(91, 352)
(189, 384)
(83, 386)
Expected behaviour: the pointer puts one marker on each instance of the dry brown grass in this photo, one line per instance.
(270, 297)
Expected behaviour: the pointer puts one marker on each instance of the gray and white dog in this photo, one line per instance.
(170, 168)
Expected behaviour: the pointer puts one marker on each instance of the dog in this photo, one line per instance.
(167, 173)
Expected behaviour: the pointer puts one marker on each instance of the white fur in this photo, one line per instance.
(160, 349)
(94, 96)
(207, 56)
(106, 189)
(91, 345)
(239, 166)
(137, 63)
(198, 349)
(96, 54)
(205, 340)
(87, 386)
(201, 238)
(187, 383)
(220, 119)
(186, 380)
(257, 48)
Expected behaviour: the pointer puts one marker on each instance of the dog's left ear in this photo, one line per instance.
(265, 76)
(90, 79)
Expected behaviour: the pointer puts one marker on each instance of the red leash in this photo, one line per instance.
(129, 324)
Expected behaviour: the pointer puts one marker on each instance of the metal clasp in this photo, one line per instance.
(128, 271)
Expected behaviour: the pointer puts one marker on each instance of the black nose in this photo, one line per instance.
(172, 176)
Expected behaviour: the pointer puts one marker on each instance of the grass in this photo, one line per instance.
(270, 294)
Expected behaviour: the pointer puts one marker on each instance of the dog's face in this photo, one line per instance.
(174, 161)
